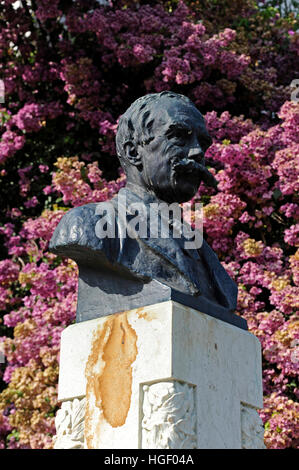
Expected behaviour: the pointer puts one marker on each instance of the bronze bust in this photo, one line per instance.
(161, 141)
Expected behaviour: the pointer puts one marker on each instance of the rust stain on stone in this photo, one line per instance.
(148, 316)
(93, 369)
(109, 371)
(115, 384)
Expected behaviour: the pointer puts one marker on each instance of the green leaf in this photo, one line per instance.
(14, 434)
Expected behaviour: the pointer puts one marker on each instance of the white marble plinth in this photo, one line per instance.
(163, 376)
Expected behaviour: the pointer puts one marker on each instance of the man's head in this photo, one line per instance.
(161, 141)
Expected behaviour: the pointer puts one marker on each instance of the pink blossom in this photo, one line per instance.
(31, 202)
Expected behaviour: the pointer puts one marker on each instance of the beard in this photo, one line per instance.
(194, 170)
(186, 176)
(180, 182)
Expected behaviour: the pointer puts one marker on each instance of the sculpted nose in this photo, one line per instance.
(196, 153)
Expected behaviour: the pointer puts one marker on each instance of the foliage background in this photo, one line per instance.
(70, 69)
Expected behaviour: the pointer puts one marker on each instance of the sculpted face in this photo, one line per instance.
(173, 161)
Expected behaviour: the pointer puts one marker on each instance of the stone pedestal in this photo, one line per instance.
(163, 376)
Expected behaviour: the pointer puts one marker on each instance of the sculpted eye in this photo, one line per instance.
(180, 133)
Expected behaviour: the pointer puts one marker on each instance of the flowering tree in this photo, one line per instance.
(70, 68)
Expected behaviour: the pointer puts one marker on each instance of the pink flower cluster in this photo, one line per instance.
(254, 188)
(76, 190)
(69, 70)
(10, 143)
(266, 274)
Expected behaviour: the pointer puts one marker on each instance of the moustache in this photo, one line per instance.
(187, 165)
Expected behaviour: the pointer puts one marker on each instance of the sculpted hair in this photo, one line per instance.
(136, 123)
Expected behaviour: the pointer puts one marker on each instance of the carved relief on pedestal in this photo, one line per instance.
(252, 430)
(69, 424)
(169, 416)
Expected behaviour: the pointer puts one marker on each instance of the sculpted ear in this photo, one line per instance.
(132, 154)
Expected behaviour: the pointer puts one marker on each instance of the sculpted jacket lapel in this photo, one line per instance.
(172, 251)
(167, 248)
(227, 288)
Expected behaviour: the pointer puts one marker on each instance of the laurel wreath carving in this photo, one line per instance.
(169, 416)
